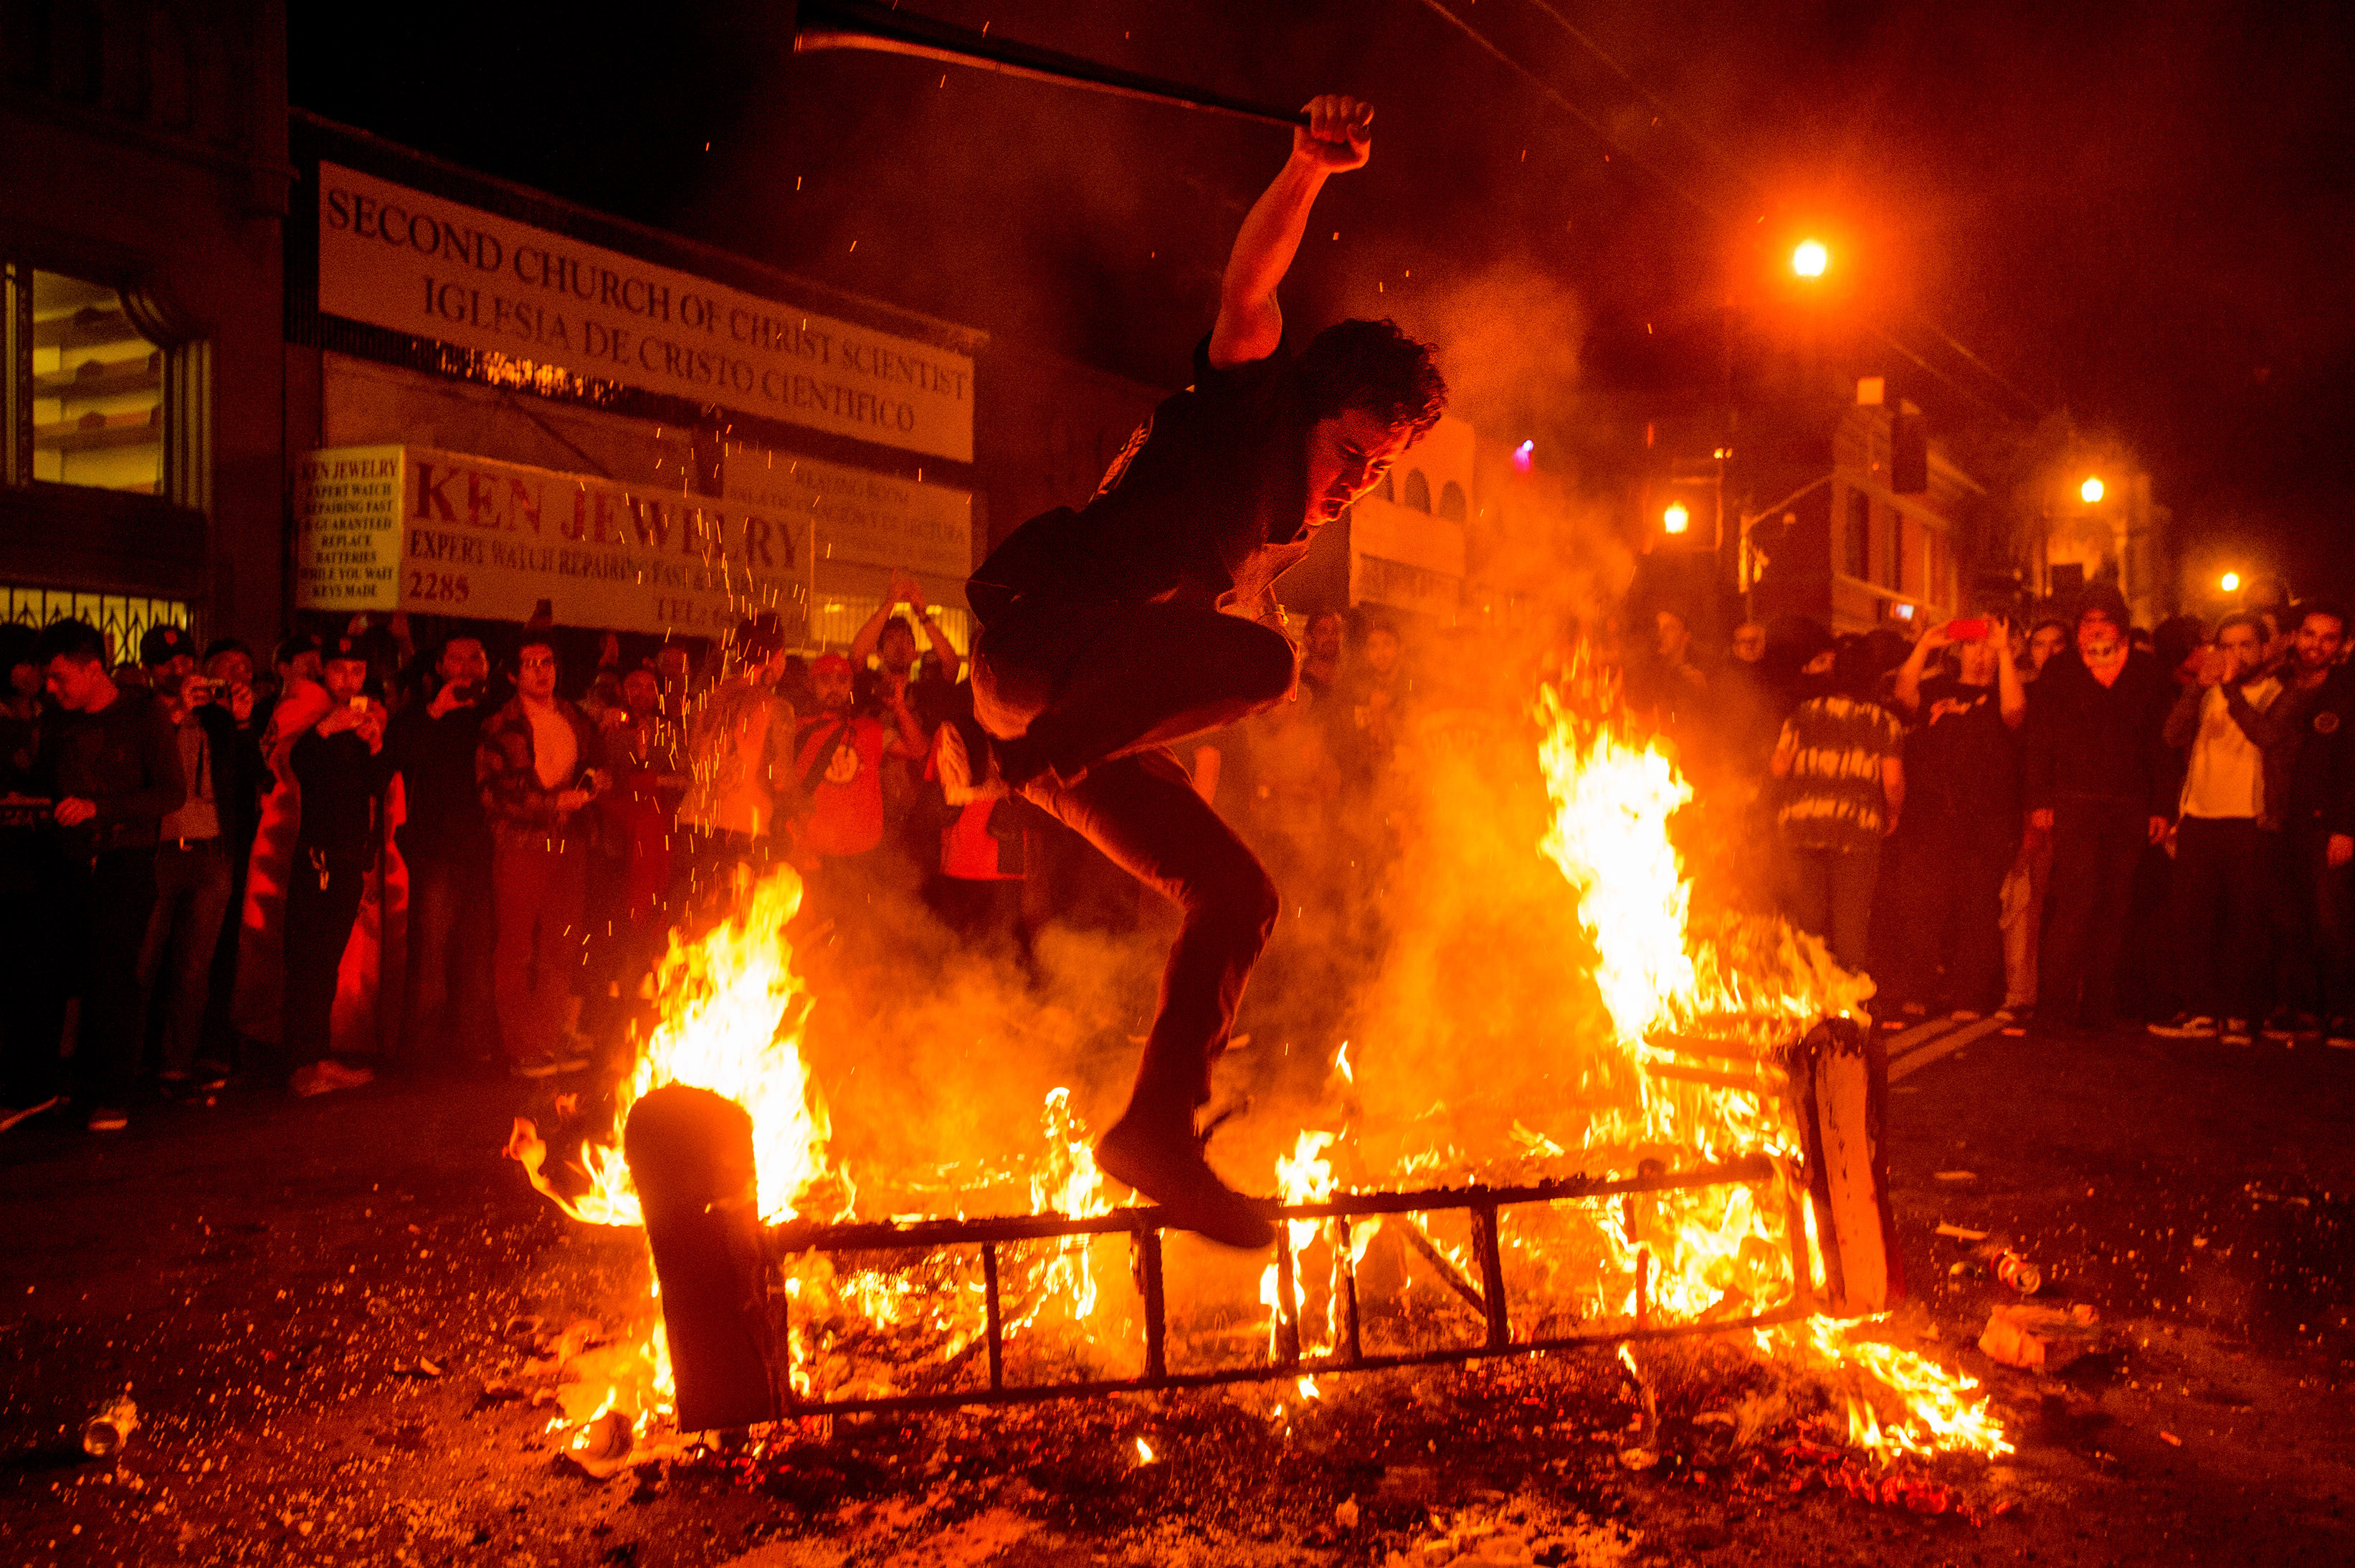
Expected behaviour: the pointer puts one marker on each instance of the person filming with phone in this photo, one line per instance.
(1962, 821)
(340, 766)
(446, 845)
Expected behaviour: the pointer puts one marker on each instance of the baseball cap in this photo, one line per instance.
(831, 662)
(162, 644)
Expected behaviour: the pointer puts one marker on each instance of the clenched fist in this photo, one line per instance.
(1338, 135)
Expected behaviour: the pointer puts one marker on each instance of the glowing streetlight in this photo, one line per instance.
(2090, 489)
(1676, 519)
(1810, 259)
(2230, 582)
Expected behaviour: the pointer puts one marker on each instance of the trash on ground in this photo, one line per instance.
(104, 1434)
(2040, 1339)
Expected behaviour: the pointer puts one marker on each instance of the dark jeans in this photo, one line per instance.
(1950, 908)
(2315, 908)
(102, 908)
(1830, 894)
(31, 965)
(538, 887)
(447, 1009)
(1097, 694)
(2096, 845)
(2226, 871)
(193, 879)
(323, 889)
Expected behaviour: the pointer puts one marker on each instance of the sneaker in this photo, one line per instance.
(2236, 1032)
(2340, 1035)
(1172, 1172)
(108, 1119)
(343, 1075)
(327, 1076)
(2288, 1023)
(2188, 1025)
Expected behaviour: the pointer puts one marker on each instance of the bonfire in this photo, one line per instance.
(1690, 1072)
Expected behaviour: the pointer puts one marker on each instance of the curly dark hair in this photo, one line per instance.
(1372, 366)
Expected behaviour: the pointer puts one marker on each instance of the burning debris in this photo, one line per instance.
(1709, 1165)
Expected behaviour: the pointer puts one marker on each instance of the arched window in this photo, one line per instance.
(1451, 502)
(1418, 491)
(1387, 490)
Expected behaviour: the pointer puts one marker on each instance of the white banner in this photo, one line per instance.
(408, 527)
(433, 268)
(873, 520)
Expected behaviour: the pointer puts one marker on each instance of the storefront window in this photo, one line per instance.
(97, 390)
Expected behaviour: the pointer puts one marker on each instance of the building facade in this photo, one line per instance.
(502, 404)
(143, 183)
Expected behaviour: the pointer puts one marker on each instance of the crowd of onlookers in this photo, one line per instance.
(2067, 814)
(515, 820)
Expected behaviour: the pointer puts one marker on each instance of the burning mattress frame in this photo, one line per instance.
(745, 1349)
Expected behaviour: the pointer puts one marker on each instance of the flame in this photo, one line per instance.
(724, 1001)
(1694, 1253)
(731, 1011)
(1304, 1176)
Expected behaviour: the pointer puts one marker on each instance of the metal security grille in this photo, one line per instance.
(122, 619)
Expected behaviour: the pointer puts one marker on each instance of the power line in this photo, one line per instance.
(1726, 165)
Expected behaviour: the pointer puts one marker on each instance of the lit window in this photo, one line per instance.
(97, 390)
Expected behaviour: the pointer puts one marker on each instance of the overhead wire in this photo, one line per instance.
(1727, 165)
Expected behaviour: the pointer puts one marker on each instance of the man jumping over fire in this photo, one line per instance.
(1150, 615)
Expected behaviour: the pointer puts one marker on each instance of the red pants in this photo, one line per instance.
(536, 889)
(1104, 691)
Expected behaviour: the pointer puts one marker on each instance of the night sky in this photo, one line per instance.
(2139, 213)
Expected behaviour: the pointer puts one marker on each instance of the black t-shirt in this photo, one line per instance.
(1962, 759)
(1206, 505)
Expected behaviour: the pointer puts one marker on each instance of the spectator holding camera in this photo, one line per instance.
(200, 853)
(1962, 821)
(2227, 836)
(446, 845)
(340, 766)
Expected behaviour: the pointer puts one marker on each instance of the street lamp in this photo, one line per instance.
(1810, 259)
(2230, 582)
(2090, 489)
(1676, 519)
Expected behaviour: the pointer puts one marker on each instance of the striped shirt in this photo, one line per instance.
(1831, 798)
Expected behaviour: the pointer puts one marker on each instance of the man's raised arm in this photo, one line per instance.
(1250, 325)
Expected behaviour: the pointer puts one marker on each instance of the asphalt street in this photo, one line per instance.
(323, 1309)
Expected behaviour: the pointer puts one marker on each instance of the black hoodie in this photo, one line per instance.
(2090, 742)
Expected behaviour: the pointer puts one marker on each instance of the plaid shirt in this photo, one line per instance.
(516, 805)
